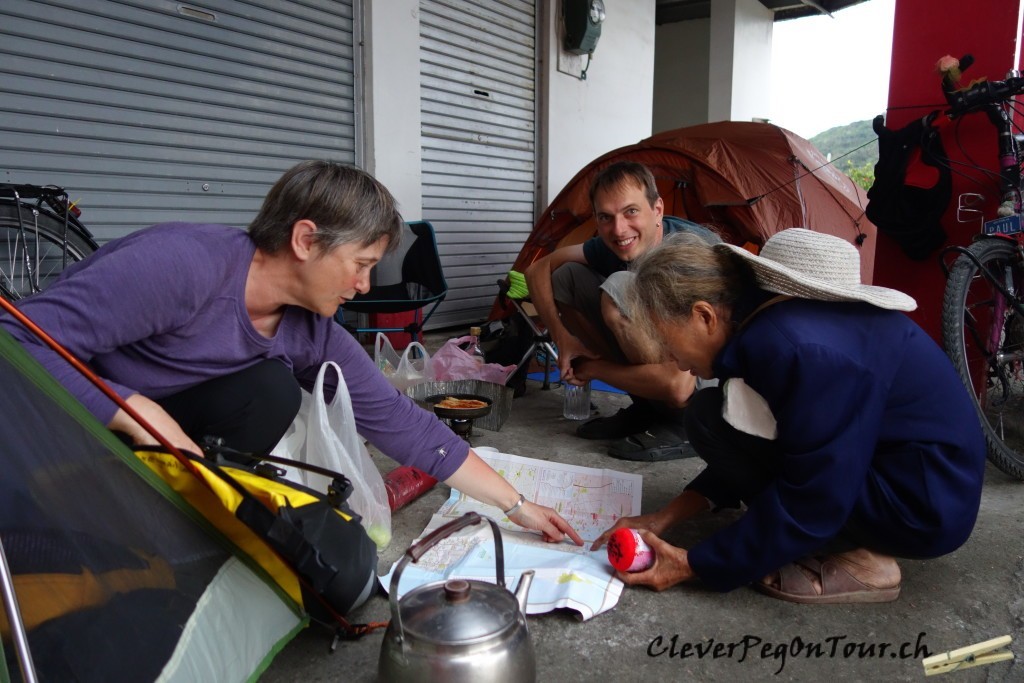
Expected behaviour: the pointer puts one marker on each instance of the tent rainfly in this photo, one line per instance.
(746, 180)
(116, 577)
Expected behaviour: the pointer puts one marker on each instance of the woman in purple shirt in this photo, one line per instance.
(209, 330)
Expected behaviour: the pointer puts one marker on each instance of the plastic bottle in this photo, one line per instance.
(627, 552)
(474, 346)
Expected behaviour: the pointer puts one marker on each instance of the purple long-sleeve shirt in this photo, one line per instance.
(163, 309)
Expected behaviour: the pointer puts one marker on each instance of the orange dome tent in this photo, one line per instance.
(747, 180)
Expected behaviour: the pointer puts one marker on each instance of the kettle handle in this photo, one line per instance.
(418, 550)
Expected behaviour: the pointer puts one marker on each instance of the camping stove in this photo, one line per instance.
(460, 419)
(462, 427)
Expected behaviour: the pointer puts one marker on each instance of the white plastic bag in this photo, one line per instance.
(412, 367)
(332, 442)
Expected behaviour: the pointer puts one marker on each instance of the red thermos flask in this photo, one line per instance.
(406, 484)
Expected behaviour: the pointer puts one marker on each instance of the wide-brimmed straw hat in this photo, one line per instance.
(815, 265)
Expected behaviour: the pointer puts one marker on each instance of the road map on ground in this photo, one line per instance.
(569, 576)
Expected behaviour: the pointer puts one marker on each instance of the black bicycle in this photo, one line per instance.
(40, 234)
(983, 306)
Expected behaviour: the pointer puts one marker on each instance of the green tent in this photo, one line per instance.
(116, 577)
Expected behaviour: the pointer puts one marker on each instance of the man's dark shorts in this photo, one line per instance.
(578, 286)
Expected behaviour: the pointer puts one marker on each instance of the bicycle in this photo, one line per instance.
(40, 234)
(983, 304)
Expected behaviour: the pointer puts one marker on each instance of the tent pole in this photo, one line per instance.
(18, 635)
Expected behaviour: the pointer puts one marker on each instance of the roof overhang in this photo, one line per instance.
(671, 11)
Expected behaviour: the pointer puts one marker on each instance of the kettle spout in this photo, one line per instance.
(523, 589)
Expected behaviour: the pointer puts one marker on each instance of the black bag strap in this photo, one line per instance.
(337, 493)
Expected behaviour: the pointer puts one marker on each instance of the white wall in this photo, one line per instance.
(739, 87)
(581, 120)
(391, 99)
(681, 57)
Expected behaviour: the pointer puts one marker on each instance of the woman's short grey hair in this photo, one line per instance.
(673, 276)
(347, 204)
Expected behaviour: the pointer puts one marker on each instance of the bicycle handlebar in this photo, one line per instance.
(981, 94)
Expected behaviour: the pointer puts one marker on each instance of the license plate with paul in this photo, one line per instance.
(1007, 225)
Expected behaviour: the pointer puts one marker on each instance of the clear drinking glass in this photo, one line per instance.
(576, 403)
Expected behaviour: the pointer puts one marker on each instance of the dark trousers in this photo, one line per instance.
(744, 465)
(740, 463)
(250, 410)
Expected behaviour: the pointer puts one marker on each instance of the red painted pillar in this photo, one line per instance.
(924, 31)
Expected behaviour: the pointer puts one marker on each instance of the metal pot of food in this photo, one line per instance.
(461, 630)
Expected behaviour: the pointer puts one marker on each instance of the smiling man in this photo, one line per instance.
(577, 291)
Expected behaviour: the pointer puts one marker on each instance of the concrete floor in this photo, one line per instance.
(973, 595)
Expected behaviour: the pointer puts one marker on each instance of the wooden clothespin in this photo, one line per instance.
(989, 652)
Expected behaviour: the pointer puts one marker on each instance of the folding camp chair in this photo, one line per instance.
(408, 279)
(541, 338)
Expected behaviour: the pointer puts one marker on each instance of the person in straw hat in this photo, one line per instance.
(840, 425)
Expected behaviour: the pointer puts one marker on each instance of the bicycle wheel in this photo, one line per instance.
(984, 336)
(33, 254)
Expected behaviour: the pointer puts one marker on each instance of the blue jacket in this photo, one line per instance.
(874, 426)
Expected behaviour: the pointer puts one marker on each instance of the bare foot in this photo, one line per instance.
(870, 568)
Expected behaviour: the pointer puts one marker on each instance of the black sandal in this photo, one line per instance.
(657, 444)
(629, 420)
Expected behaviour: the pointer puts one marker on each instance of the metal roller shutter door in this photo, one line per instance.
(158, 110)
(478, 65)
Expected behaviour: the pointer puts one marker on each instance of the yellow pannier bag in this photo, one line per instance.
(306, 541)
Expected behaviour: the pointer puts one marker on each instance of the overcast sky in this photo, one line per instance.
(830, 72)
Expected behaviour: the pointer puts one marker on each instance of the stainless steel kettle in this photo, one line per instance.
(458, 631)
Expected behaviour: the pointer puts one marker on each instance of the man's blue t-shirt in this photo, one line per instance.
(604, 261)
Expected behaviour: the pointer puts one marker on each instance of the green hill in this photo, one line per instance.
(842, 139)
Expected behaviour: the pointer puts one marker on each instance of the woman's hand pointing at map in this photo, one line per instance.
(545, 520)
(478, 480)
